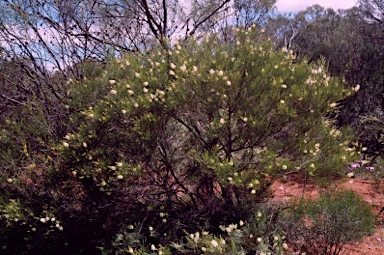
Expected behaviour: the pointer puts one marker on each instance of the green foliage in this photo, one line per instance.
(326, 225)
(11, 211)
(290, 106)
(201, 134)
(260, 235)
(176, 143)
(189, 121)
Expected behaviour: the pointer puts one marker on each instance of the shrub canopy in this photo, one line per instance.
(194, 133)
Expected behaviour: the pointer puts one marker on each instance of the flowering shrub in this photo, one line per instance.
(186, 137)
(205, 128)
(259, 235)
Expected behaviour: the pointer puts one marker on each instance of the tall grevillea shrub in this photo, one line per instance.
(204, 123)
(174, 139)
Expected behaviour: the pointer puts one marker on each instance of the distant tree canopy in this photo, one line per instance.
(351, 42)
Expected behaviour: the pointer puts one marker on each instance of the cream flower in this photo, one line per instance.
(183, 68)
(214, 243)
(113, 168)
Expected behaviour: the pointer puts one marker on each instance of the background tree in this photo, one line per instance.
(252, 12)
(349, 42)
(373, 9)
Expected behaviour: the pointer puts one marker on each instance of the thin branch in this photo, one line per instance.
(12, 100)
(208, 17)
(165, 18)
(193, 131)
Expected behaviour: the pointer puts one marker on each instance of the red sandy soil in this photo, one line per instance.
(372, 191)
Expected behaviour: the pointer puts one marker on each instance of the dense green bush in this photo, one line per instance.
(175, 141)
(326, 225)
(261, 234)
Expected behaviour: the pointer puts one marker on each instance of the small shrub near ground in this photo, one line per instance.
(326, 225)
(260, 234)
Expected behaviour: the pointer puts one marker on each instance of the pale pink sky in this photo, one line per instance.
(299, 5)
